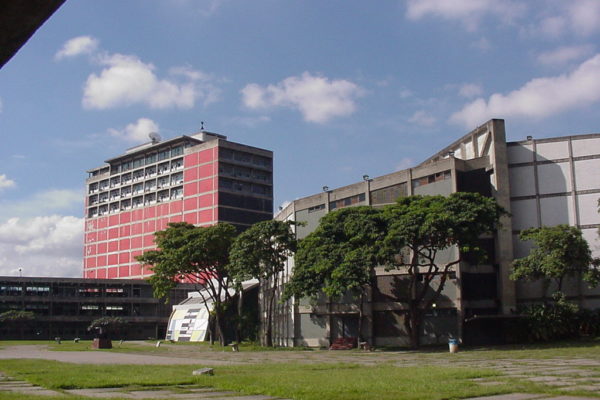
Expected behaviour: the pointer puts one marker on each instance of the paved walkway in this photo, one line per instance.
(566, 374)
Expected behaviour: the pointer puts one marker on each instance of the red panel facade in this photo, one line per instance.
(115, 236)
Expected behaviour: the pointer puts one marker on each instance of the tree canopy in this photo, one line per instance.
(341, 254)
(194, 254)
(559, 251)
(261, 252)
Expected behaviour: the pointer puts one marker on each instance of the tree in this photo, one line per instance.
(560, 251)
(339, 256)
(418, 228)
(17, 318)
(195, 254)
(261, 252)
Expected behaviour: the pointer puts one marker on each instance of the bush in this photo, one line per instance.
(560, 320)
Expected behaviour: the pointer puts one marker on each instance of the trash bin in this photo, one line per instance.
(453, 345)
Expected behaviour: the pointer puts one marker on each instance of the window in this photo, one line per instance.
(177, 192)
(126, 204)
(177, 179)
(316, 208)
(163, 195)
(126, 178)
(150, 158)
(150, 186)
(126, 191)
(138, 188)
(137, 201)
(93, 188)
(176, 151)
(150, 171)
(114, 207)
(138, 163)
(163, 182)
(177, 164)
(163, 155)
(389, 194)
(150, 199)
(348, 201)
(115, 181)
(162, 168)
(439, 176)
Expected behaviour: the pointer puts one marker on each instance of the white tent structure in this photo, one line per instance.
(189, 320)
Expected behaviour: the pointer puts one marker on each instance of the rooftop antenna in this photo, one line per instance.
(201, 125)
(155, 137)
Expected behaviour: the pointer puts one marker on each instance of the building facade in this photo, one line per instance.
(548, 181)
(201, 179)
(65, 307)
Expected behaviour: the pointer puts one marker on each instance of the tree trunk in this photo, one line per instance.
(219, 324)
(360, 315)
(269, 327)
(415, 329)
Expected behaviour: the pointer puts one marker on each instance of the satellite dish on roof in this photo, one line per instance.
(155, 137)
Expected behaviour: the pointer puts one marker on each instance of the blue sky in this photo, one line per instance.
(336, 89)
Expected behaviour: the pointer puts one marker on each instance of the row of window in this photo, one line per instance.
(148, 159)
(245, 187)
(238, 171)
(15, 290)
(348, 201)
(136, 176)
(136, 202)
(137, 189)
(241, 156)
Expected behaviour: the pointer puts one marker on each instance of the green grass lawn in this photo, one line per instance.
(434, 378)
(297, 381)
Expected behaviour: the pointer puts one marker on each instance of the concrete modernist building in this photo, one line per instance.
(65, 307)
(201, 179)
(547, 181)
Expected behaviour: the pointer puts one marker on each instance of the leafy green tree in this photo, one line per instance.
(195, 254)
(261, 252)
(560, 251)
(418, 228)
(339, 256)
(105, 327)
(17, 318)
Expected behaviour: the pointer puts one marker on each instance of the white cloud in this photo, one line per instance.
(126, 80)
(422, 118)
(469, 90)
(5, 183)
(482, 44)
(317, 98)
(137, 131)
(584, 16)
(205, 8)
(77, 46)
(580, 17)
(42, 203)
(539, 97)
(468, 12)
(564, 55)
(405, 163)
(42, 246)
(553, 27)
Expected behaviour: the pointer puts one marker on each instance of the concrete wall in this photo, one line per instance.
(556, 181)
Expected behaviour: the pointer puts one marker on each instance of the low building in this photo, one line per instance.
(65, 307)
(540, 182)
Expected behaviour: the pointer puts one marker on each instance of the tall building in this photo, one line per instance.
(539, 181)
(201, 179)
